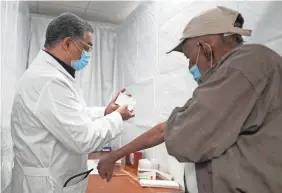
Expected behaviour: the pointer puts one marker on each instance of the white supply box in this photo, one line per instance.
(123, 99)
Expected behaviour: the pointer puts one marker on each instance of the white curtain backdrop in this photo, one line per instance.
(15, 34)
(96, 80)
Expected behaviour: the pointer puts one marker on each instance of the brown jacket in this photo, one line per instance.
(232, 126)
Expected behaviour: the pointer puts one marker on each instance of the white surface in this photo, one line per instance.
(159, 183)
(103, 11)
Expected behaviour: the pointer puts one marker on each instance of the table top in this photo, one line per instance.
(121, 184)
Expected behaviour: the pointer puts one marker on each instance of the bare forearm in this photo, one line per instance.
(151, 138)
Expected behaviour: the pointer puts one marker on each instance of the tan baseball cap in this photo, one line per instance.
(219, 20)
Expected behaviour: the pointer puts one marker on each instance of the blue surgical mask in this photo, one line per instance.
(195, 69)
(82, 62)
(195, 72)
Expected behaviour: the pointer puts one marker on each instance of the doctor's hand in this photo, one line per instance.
(112, 106)
(125, 113)
(106, 167)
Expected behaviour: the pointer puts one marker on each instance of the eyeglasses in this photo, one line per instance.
(87, 47)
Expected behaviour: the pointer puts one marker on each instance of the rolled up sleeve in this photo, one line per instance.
(211, 121)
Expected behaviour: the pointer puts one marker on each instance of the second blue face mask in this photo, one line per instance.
(195, 69)
(195, 72)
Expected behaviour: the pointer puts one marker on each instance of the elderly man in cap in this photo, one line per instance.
(231, 127)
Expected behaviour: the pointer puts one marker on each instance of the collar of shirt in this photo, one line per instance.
(208, 74)
(68, 68)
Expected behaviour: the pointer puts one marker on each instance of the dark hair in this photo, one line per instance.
(66, 25)
(235, 39)
(89, 28)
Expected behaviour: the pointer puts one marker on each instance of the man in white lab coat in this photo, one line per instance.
(52, 128)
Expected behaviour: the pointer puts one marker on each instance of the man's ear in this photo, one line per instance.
(66, 43)
(207, 51)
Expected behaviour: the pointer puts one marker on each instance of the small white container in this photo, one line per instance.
(144, 164)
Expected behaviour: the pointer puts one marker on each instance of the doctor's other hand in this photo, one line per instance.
(125, 113)
(112, 106)
(106, 167)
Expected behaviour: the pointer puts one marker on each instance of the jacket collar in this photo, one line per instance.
(67, 67)
(209, 73)
(53, 62)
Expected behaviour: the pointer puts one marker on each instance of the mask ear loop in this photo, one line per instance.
(212, 65)
(198, 53)
(69, 55)
(76, 45)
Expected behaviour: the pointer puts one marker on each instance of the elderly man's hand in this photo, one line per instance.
(106, 167)
(112, 106)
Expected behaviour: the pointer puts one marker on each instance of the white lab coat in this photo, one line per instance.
(54, 131)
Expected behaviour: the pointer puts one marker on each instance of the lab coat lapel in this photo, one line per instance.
(51, 61)
(46, 58)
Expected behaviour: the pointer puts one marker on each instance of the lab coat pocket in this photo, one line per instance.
(80, 187)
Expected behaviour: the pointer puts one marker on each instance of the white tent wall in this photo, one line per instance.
(161, 82)
(267, 30)
(15, 26)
